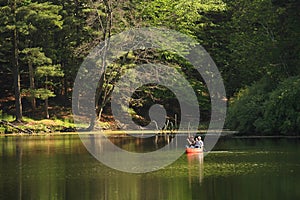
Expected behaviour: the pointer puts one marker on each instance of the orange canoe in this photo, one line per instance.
(193, 150)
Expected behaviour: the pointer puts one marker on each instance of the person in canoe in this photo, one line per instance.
(195, 142)
(199, 143)
(191, 141)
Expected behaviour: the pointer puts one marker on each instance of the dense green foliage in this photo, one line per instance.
(263, 41)
(267, 108)
(265, 63)
(253, 42)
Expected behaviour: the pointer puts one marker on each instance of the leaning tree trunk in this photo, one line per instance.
(106, 30)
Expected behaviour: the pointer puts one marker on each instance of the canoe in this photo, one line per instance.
(193, 150)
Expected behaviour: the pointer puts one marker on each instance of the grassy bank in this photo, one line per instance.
(33, 125)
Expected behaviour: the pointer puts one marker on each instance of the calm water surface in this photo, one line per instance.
(59, 167)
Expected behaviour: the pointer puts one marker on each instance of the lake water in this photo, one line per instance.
(59, 167)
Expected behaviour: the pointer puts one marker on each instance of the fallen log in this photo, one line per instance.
(3, 122)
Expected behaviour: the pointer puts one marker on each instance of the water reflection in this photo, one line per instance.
(130, 143)
(19, 152)
(61, 168)
(195, 166)
(37, 167)
(125, 157)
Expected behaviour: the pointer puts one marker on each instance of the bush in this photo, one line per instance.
(266, 108)
(282, 110)
(247, 106)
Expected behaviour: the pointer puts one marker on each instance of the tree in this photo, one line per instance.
(265, 61)
(47, 72)
(263, 108)
(180, 15)
(9, 31)
(261, 42)
(15, 64)
(104, 18)
(281, 110)
(34, 57)
(78, 35)
(22, 19)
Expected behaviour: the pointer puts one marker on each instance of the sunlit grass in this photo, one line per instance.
(6, 117)
(36, 126)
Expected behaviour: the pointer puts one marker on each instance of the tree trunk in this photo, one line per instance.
(46, 108)
(15, 65)
(46, 100)
(17, 87)
(31, 85)
(106, 30)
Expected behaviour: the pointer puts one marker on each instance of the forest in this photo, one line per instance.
(254, 43)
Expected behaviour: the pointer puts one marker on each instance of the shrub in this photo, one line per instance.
(247, 106)
(282, 109)
(266, 107)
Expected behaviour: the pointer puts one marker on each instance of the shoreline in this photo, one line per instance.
(122, 133)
